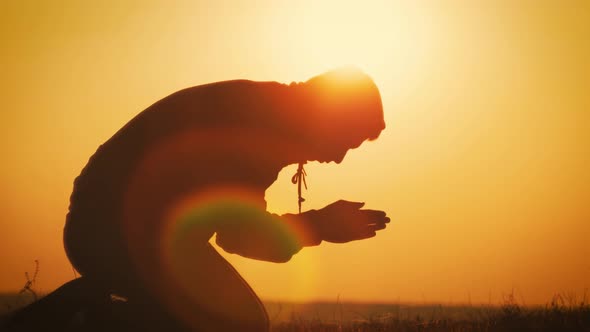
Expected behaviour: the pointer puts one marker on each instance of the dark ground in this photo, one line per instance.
(559, 315)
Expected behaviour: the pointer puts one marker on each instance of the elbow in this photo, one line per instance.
(284, 256)
(281, 258)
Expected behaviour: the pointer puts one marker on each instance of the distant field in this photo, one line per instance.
(559, 316)
(347, 312)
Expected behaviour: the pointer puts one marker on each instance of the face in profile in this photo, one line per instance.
(346, 111)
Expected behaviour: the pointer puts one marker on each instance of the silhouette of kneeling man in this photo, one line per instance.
(197, 164)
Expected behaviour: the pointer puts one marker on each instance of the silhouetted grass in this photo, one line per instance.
(553, 320)
(562, 314)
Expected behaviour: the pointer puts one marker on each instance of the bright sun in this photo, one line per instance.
(323, 35)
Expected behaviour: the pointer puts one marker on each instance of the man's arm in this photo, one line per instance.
(276, 239)
(268, 237)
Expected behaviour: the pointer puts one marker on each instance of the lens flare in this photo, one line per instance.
(192, 279)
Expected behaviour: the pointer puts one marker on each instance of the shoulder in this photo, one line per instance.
(237, 86)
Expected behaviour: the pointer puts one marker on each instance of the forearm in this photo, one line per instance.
(270, 237)
(303, 228)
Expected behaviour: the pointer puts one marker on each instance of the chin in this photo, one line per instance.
(336, 160)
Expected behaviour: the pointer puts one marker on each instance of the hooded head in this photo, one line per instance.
(344, 110)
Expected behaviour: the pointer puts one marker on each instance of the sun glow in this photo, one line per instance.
(482, 167)
(375, 36)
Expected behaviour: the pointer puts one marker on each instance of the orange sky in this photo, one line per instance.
(483, 166)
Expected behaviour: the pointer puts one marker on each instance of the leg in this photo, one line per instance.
(212, 296)
(199, 288)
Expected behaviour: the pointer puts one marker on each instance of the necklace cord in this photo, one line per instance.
(299, 178)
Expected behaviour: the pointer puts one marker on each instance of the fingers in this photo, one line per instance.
(374, 216)
(377, 227)
(376, 220)
(349, 205)
(356, 205)
(375, 213)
